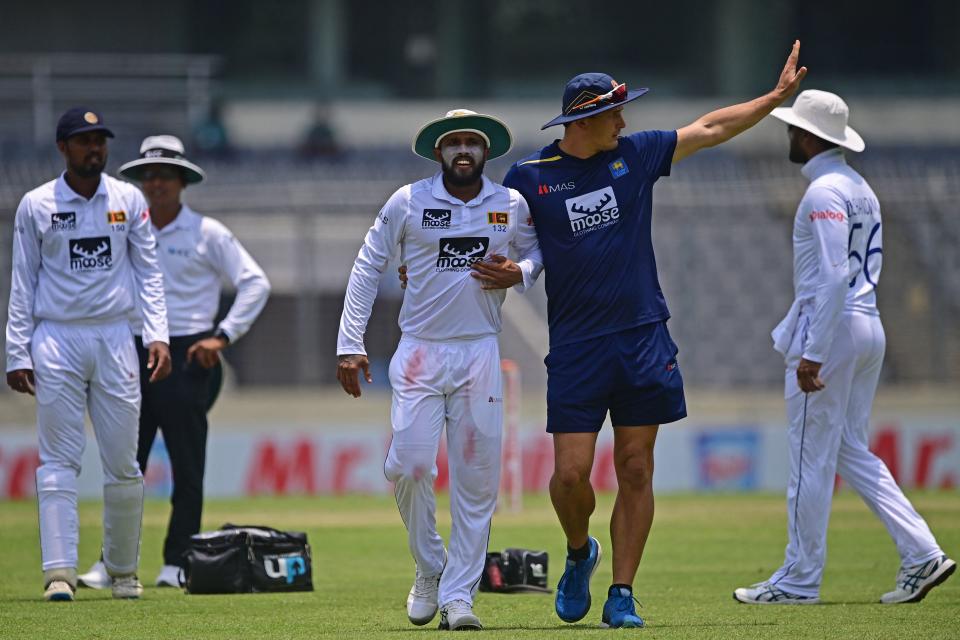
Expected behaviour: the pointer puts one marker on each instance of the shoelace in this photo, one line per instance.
(126, 582)
(626, 605)
(424, 586)
(459, 606)
(909, 577)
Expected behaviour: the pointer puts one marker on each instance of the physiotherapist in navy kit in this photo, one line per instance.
(590, 196)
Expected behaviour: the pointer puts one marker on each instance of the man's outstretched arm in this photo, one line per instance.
(719, 126)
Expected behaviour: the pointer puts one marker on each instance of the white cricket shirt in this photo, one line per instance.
(82, 261)
(197, 255)
(438, 237)
(837, 253)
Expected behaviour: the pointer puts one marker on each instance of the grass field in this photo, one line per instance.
(701, 548)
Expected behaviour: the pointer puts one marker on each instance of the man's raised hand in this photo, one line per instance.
(791, 76)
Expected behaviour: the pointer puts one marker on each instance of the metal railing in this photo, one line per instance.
(175, 89)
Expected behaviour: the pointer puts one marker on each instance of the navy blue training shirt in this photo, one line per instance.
(593, 220)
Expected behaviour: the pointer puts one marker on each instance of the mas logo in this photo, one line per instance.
(618, 168)
(91, 254)
(593, 211)
(498, 217)
(458, 254)
(63, 221)
(547, 189)
(436, 219)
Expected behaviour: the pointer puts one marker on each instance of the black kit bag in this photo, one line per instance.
(248, 559)
(515, 571)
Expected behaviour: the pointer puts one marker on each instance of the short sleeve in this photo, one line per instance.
(655, 150)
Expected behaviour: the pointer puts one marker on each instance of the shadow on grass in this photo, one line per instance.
(829, 603)
(596, 627)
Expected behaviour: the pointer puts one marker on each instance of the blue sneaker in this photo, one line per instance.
(618, 610)
(573, 590)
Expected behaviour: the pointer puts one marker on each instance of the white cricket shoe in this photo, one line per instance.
(766, 593)
(58, 591)
(422, 599)
(914, 583)
(170, 576)
(96, 578)
(458, 616)
(127, 587)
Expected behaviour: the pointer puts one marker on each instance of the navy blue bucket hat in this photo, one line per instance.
(591, 93)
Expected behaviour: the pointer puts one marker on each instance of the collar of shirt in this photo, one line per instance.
(65, 192)
(822, 163)
(440, 192)
(184, 220)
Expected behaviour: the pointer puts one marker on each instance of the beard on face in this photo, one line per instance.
(796, 153)
(90, 168)
(451, 175)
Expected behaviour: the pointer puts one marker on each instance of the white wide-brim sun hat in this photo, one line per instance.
(162, 150)
(823, 114)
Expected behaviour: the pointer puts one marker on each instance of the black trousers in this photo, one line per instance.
(177, 406)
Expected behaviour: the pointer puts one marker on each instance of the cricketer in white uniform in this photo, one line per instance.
(833, 343)
(446, 369)
(197, 254)
(83, 255)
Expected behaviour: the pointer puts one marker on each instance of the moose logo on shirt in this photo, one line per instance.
(91, 254)
(63, 221)
(457, 254)
(593, 211)
(436, 219)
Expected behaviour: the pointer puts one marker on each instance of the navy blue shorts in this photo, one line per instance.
(633, 374)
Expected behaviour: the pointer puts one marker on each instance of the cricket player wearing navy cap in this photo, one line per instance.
(83, 259)
(446, 370)
(833, 343)
(590, 195)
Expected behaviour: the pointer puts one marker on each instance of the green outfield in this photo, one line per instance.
(701, 548)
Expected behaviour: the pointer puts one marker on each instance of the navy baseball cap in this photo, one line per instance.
(591, 93)
(80, 120)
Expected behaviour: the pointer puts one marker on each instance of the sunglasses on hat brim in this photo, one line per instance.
(615, 95)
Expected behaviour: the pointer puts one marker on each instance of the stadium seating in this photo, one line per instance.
(722, 231)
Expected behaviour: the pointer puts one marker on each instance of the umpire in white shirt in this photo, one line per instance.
(833, 343)
(446, 370)
(83, 258)
(197, 254)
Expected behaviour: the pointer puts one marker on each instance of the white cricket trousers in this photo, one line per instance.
(92, 367)
(828, 434)
(456, 383)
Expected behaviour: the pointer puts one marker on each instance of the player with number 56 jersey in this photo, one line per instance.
(838, 249)
(833, 345)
